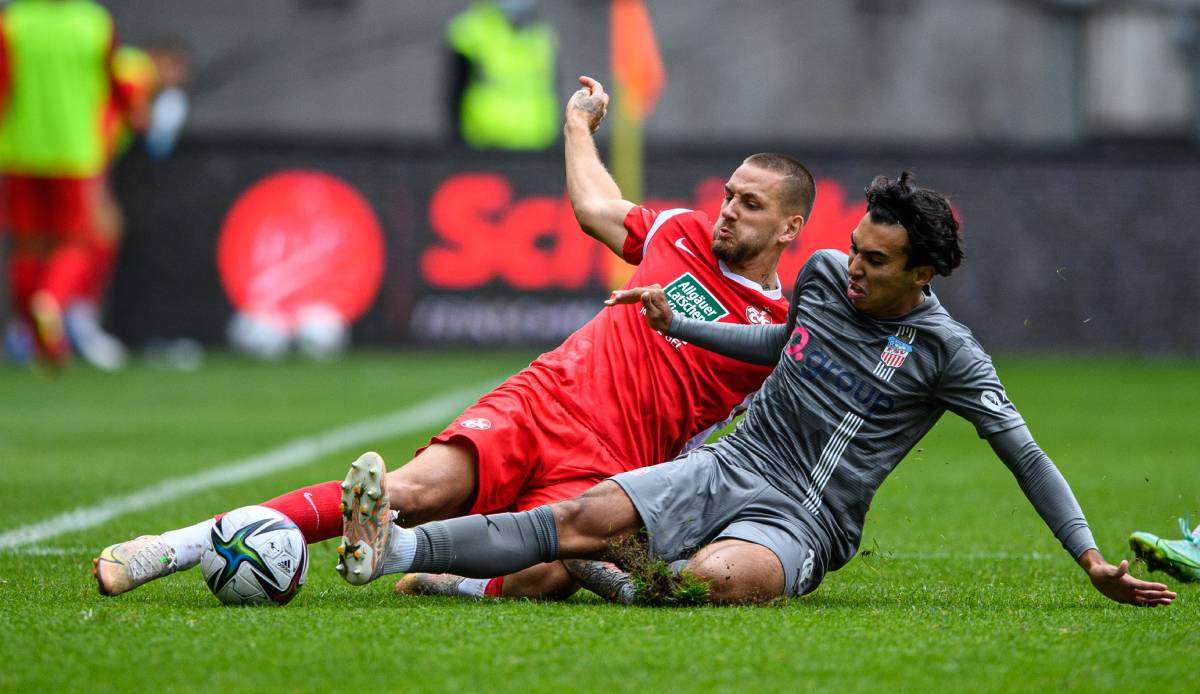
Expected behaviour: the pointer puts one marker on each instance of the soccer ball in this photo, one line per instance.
(257, 556)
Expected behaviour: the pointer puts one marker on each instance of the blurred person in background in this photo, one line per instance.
(151, 81)
(56, 82)
(502, 76)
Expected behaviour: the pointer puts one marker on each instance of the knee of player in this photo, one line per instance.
(578, 533)
(567, 516)
(411, 500)
(721, 583)
(728, 585)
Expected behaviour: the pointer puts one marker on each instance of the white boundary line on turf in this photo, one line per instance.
(36, 551)
(968, 556)
(292, 454)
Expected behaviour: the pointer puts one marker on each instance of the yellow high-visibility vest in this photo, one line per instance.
(509, 101)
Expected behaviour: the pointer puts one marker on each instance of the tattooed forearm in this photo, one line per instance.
(602, 578)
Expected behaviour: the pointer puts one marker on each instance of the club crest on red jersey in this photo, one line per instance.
(757, 316)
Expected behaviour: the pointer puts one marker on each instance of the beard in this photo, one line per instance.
(732, 252)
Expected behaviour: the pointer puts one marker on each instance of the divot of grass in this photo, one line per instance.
(654, 582)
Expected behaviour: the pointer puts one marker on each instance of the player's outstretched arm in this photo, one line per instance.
(755, 344)
(1048, 491)
(594, 194)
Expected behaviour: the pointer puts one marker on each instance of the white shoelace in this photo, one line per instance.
(148, 562)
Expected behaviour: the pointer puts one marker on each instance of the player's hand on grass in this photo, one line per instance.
(654, 304)
(1117, 584)
(588, 105)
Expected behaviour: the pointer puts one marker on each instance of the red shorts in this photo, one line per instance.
(63, 208)
(530, 452)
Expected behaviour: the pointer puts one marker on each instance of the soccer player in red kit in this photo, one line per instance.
(614, 396)
(55, 83)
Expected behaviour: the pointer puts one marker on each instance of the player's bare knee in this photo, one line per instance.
(589, 523)
(573, 536)
(738, 574)
(413, 501)
(723, 585)
(727, 587)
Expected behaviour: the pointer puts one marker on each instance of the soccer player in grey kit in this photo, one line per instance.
(867, 363)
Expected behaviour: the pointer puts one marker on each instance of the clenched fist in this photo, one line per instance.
(588, 104)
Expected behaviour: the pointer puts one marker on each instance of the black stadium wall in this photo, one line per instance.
(1088, 250)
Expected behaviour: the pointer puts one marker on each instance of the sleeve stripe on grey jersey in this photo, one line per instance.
(830, 457)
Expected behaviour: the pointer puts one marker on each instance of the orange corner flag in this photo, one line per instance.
(637, 65)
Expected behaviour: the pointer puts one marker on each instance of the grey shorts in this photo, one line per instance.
(697, 499)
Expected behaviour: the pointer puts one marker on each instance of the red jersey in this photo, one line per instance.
(644, 395)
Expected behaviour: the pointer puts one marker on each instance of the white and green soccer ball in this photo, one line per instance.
(257, 556)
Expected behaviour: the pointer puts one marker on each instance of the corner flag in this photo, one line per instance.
(638, 77)
(637, 65)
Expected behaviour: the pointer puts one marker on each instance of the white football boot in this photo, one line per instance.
(366, 520)
(126, 565)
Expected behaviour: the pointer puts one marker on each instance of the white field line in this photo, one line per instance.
(965, 556)
(292, 454)
(41, 551)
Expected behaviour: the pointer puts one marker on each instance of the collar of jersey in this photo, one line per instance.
(773, 294)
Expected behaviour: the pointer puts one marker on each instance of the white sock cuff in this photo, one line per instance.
(402, 547)
(473, 587)
(189, 543)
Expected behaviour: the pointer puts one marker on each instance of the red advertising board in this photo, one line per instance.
(484, 233)
(300, 238)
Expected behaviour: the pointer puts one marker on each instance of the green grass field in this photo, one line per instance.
(963, 587)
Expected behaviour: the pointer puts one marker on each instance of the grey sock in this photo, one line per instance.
(487, 546)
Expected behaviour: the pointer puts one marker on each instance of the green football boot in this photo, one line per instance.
(1180, 558)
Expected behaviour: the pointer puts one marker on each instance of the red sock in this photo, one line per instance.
(495, 588)
(67, 271)
(316, 510)
(104, 257)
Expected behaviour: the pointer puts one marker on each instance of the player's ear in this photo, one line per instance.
(922, 276)
(794, 224)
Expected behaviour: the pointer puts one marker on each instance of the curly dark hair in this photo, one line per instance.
(933, 237)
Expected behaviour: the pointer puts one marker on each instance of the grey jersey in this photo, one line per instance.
(852, 395)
